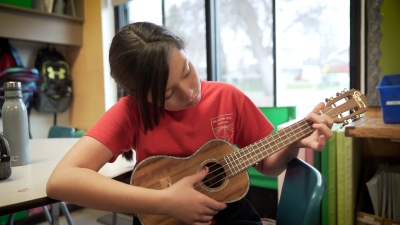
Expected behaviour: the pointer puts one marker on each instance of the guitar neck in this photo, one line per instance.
(257, 151)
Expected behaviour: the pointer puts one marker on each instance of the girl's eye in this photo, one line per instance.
(169, 96)
(188, 72)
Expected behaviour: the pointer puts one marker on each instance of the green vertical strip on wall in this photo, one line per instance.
(390, 42)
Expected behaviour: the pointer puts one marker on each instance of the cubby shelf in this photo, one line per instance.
(373, 127)
(33, 25)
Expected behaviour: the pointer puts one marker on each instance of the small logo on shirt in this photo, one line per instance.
(223, 127)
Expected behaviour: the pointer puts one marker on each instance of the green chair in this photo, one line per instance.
(302, 191)
(277, 116)
(57, 131)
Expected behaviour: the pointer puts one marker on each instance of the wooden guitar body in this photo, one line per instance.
(159, 172)
(227, 179)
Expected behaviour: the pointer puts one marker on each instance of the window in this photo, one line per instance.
(312, 53)
(279, 52)
(186, 18)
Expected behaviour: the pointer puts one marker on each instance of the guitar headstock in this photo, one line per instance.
(348, 104)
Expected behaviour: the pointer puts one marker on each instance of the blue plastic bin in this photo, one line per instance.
(389, 98)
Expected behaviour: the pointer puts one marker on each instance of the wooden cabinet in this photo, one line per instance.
(33, 25)
(379, 138)
(373, 127)
(380, 143)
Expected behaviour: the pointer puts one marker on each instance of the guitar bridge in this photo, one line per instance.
(165, 182)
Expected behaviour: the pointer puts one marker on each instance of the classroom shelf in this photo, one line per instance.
(373, 127)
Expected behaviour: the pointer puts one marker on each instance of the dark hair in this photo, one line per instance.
(139, 56)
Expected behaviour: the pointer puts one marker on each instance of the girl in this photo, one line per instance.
(168, 110)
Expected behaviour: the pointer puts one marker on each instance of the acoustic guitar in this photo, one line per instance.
(227, 179)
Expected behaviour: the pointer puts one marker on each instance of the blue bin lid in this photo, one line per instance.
(389, 81)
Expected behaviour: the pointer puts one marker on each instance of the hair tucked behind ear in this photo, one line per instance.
(139, 57)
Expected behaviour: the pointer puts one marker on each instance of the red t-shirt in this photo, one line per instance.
(224, 112)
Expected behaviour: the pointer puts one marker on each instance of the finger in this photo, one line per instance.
(321, 143)
(204, 220)
(323, 130)
(320, 119)
(215, 206)
(201, 223)
(198, 176)
(318, 107)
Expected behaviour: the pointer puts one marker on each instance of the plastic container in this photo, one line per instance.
(389, 98)
(20, 3)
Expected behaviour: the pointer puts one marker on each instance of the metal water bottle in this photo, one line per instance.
(15, 123)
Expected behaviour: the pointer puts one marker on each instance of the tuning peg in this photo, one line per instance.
(357, 117)
(344, 123)
(326, 100)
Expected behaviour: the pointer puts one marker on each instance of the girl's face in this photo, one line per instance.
(183, 89)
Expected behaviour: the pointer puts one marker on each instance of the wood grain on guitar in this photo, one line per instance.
(227, 180)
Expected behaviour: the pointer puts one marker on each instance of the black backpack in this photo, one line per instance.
(54, 87)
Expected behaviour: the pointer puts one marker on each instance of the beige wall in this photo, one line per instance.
(94, 92)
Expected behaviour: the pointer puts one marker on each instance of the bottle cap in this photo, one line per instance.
(12, 85)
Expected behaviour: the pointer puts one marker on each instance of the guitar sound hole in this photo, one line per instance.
(216, 175)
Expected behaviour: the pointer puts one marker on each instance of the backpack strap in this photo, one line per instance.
(17, 57)
(5, 46)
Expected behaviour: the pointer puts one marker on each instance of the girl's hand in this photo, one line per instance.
(190, 206)
(322, 125)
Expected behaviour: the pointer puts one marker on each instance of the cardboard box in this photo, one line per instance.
(390, 222)
(363, 218)
(389, 98)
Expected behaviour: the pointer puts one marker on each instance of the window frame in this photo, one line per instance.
(355, 48)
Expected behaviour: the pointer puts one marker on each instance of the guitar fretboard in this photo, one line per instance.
(257, 151)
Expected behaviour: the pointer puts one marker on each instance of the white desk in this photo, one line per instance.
(26, 187)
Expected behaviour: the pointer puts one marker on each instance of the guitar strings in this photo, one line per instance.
(304, 125)
(211, 171)
(307, 125)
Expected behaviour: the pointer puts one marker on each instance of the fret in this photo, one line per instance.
(301, 121)
(286, 135)
(247, 155)
(257, 154)
(264, 151)
(293, 138)
(294, 131)
(236, 159)
(269, 144)
(232, 167)
(250, 158)
(226, 166)
(280, 144)
(255, 158)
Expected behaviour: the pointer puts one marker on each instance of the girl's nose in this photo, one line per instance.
(187, 94)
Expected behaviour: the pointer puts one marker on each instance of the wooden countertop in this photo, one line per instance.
(373, 127)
